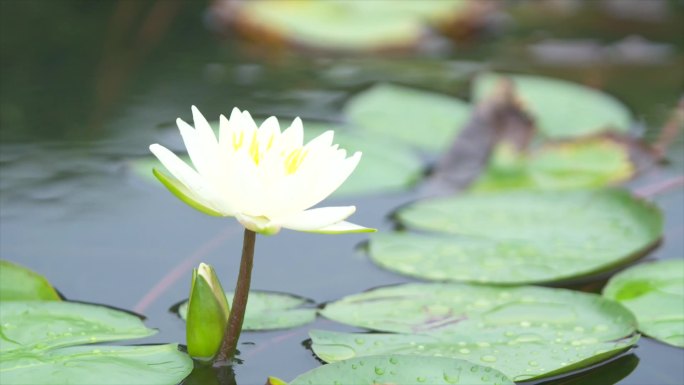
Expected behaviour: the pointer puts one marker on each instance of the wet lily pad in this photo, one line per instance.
(525, 332)
(402, 369)
(18, 283)
(654, 292)
(270, 311)
(339, 25)
(521, 236)
(423, 119)
(382, 168)
(590, 163)
(86, 365)
(38, 346)
(562, 109)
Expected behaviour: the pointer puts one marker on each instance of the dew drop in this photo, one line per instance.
(379, 371)
(533, 363)
(393, 360)
(360, 341)
(488, 358)
(464, 351)
(421, 379)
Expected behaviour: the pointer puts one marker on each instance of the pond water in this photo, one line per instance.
(84, 92)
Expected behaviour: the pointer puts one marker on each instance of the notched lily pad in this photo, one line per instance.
(562, 109)
(521, 236)
(270, 311)
(654, 292)
(403, 369)
(38, 338)
(418, 118)
(525, 332)
(18, 283)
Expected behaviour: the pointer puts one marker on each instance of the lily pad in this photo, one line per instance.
(402, 369)
(525, 332)
(18, 283)
(339, 25)
(423, 119)
(521, 236)
(86, 365)
(382, 168)
(590, 163)
(562, 109)
(654, 292)
(38, 338)
(270, 311)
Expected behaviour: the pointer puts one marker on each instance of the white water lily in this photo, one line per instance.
(265, 178)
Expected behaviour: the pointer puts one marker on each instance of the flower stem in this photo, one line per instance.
(237, 310)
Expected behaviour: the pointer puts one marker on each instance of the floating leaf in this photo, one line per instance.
(340, 25)
(654, 292)
(594, 162)
(525, 332)
(402, 369)
(382, 168)
(427, 120)
(269, 311)
(18, 283)
(86, 365)
(561, 109)
(37, 341)
(520, 237)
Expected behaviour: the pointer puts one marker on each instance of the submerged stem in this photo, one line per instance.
(237, 310)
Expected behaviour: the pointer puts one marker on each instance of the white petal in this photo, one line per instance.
(196, 185)
(259, 225)
(204, 132)
(315, 219)
(293, 136)
(343, 228)
(228, 127)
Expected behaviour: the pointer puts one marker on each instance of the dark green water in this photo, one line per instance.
(84, 91)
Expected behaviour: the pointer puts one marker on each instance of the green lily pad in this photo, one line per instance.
(402, 369)
(561, 109)
(87, 365)
(525, 332)
(590, 163)
(18, 283)
(38, 338)
(654, 292)
(341, 25)
(426, 120)
(382, 168)
(270, 311)
(520, 237)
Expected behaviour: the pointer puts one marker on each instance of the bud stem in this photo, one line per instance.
(237, 310)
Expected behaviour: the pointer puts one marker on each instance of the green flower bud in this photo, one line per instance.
(208, 312)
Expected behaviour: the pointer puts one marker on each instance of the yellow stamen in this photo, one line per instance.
(254, 149)
(294, 160)
(238, 143)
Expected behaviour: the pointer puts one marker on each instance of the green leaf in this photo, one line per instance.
(342, 25)
(42, 325)
(520, 237)
(37, 341)
(561, 109)
(402, 369)
(87, 365)
(590, 163)
(525, 332)
(426, 120)
(18, 283)
(654, 292)
(270, 311)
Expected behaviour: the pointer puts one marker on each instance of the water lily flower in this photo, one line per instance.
(207, 314)
(265, 178)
